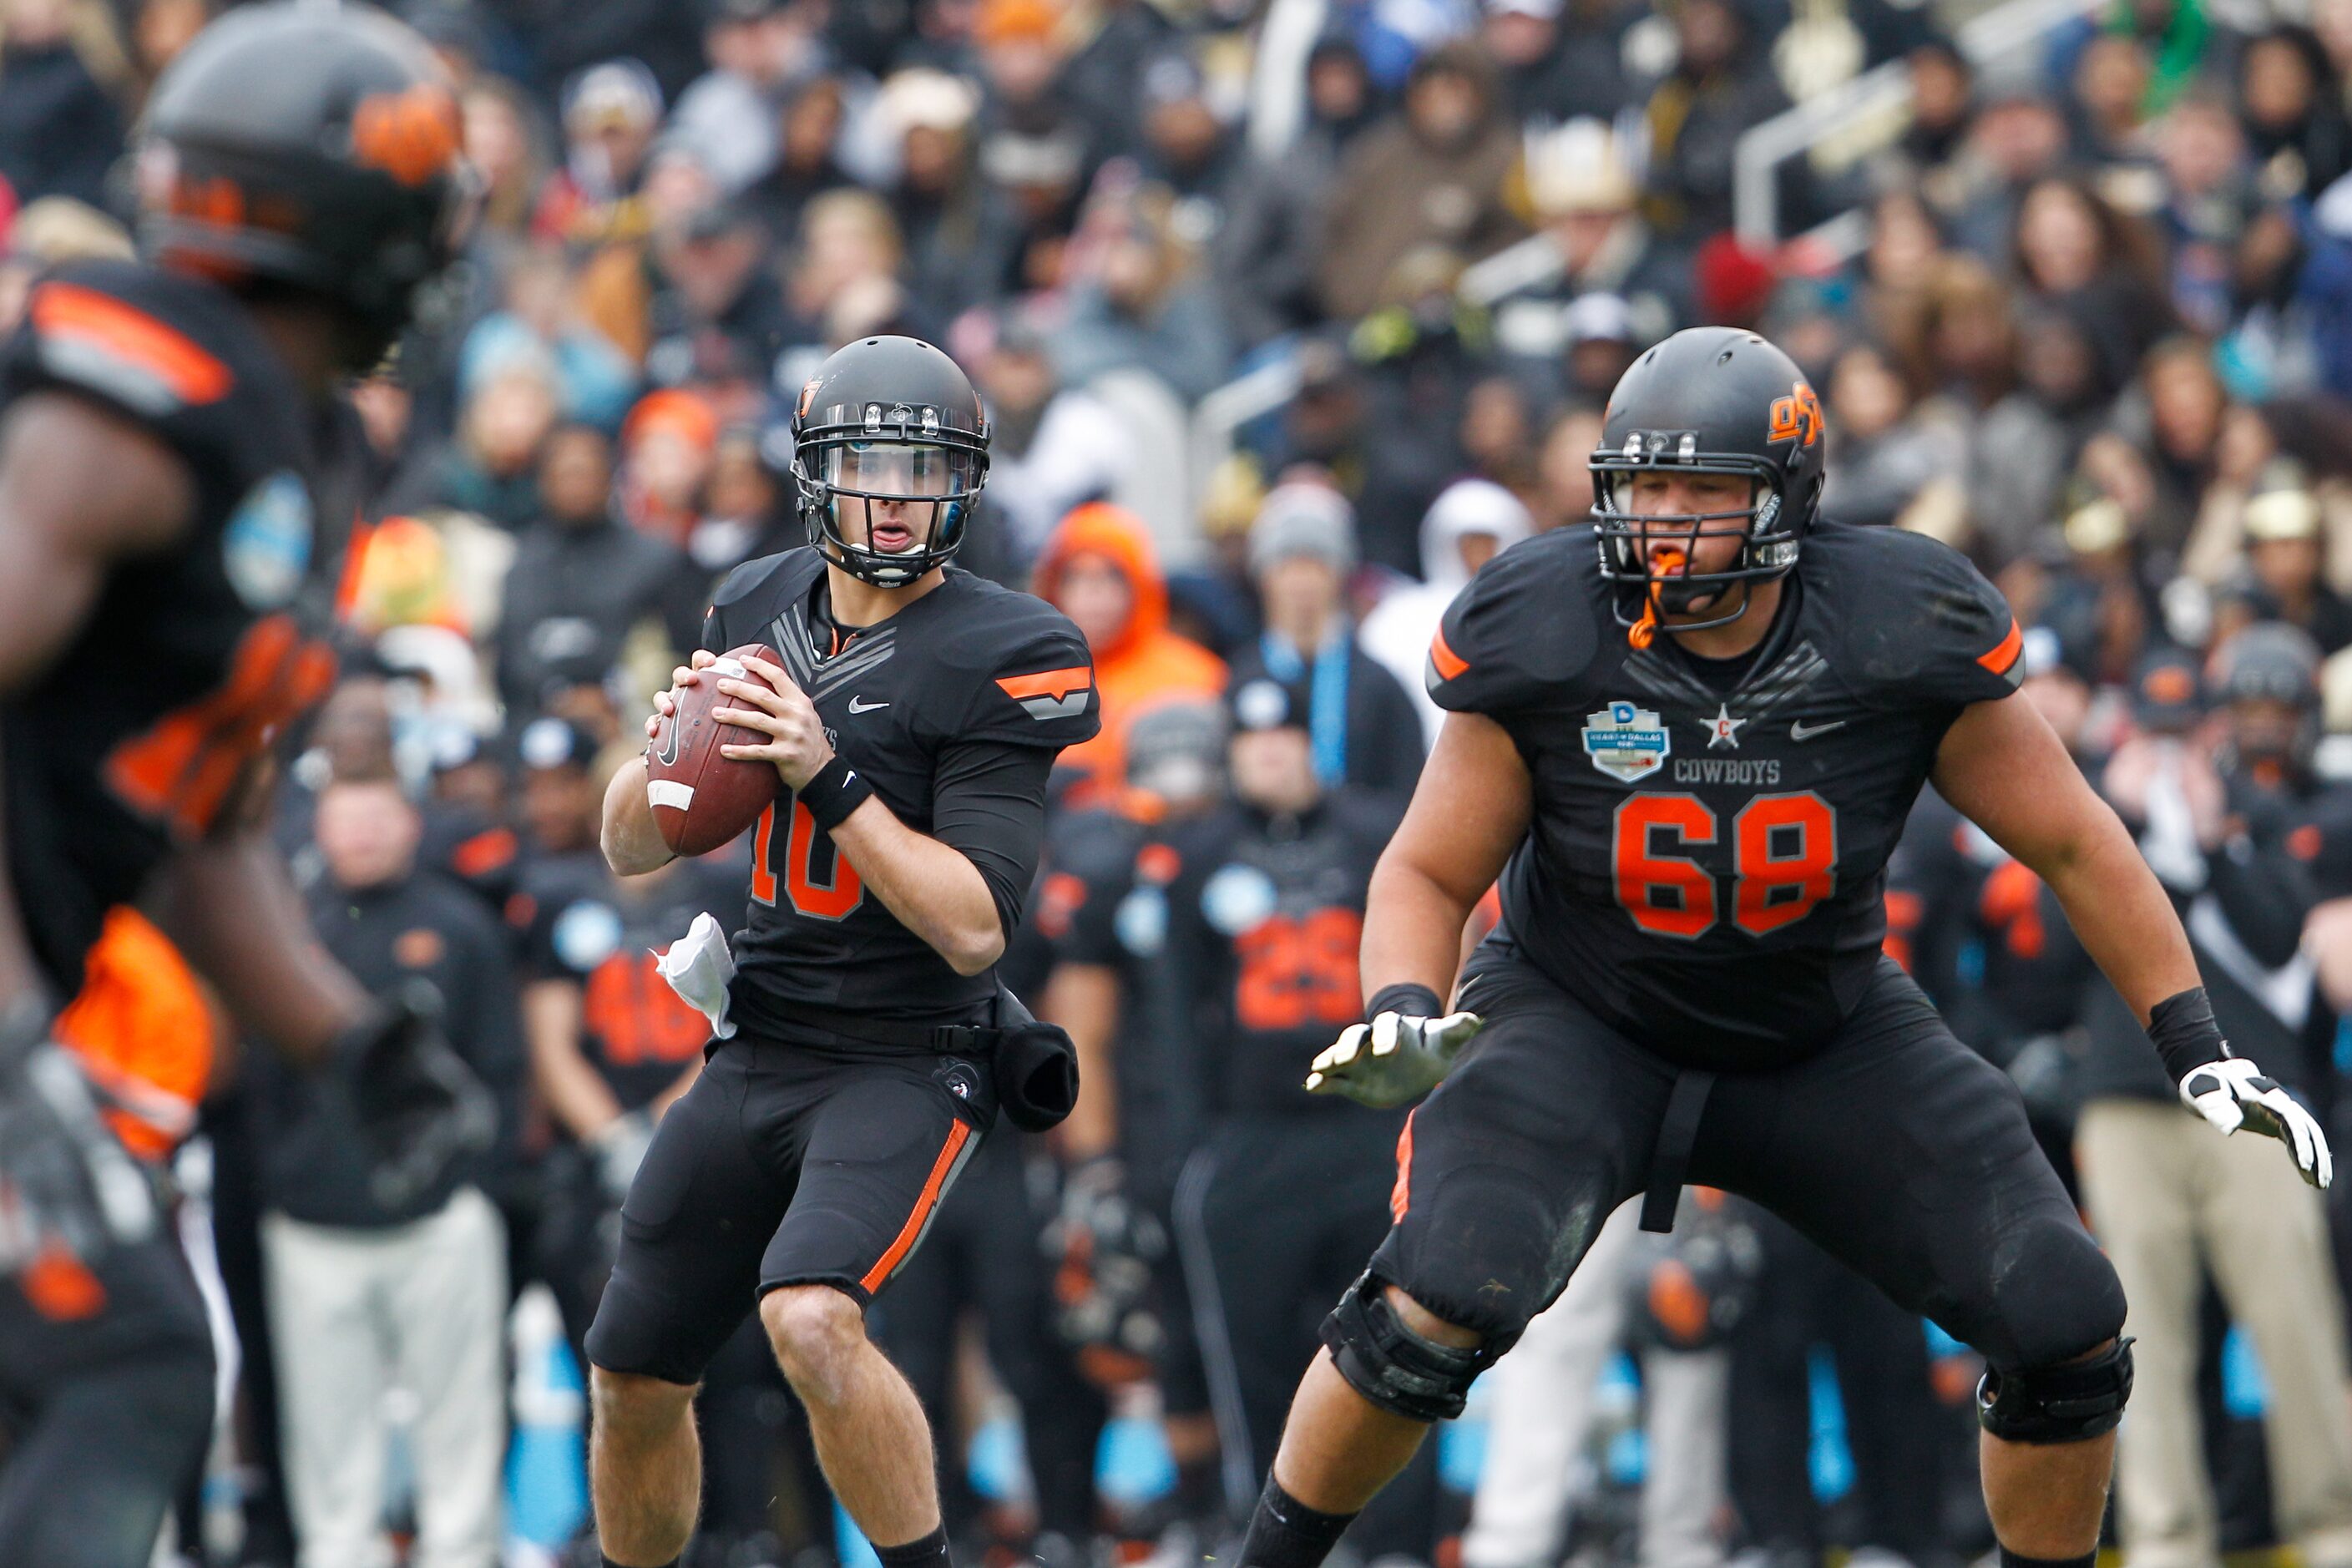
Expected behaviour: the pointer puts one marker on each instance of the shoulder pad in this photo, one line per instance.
(1036, 679)
(767, 583)
(1920, 621)
(134, 338)
(1525, 624)
(171, 353)
(782, 569)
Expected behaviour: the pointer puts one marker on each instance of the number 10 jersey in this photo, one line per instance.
(953, 709)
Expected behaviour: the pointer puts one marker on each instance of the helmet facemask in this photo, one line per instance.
(900, 483)
(1644, 593)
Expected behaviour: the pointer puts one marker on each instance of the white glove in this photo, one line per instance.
(1407, 1057)
(621, 1146)
(2233, 1093)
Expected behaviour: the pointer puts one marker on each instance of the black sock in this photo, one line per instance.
(931, 1552)
(2018, 1560)
(1286, 1533)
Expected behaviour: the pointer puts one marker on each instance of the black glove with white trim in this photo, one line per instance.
(2230, 1091)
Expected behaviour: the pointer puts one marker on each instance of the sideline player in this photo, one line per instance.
(914, 719)
(1687, 981)
(175, 486)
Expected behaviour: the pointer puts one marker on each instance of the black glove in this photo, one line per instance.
(420, 1107)
(67, 1185)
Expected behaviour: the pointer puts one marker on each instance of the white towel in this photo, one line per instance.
(699, 967)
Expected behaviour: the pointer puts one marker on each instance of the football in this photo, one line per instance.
(701, 799)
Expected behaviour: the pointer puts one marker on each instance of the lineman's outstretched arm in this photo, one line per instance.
(2003, 767)
(1469, 811)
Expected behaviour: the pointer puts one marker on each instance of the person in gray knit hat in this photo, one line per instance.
(1302, 549)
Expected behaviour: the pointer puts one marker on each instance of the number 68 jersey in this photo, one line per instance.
(1707, 854)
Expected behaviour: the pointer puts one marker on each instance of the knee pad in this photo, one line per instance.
(1394, 1367)
(2071, 1403)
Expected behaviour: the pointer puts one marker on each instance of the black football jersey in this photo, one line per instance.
(1709, 842)
(1264, 920)
(970, 665)
(583, 924)
(137, 736)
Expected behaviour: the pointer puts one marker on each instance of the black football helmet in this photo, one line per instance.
(1709, 400)
(311, 146)
(889, 419)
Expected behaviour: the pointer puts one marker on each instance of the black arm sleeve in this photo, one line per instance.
(988, 802)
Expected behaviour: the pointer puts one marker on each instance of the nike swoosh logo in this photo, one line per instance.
(1800, 730)
(857, 707)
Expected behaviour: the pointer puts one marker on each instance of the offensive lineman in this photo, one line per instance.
(1692, 830)
(176, 481)
(914, 719)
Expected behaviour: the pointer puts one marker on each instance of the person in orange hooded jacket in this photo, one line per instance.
(1099, 569)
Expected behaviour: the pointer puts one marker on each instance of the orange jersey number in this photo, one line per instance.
(1784, 851)
(828, 895)
(639, 1019)
(1296, 972)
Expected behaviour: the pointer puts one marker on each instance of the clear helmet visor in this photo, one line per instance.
(897, 470)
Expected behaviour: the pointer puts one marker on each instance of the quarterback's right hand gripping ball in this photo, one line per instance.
(2233, 1093)
(1392, 1059)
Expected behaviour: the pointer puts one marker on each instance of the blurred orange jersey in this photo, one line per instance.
(145, 1032)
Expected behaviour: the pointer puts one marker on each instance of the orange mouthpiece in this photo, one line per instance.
(1644, 631)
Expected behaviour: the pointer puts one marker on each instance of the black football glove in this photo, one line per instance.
(67, 1185)
(2230, 1091)
(421, 1109)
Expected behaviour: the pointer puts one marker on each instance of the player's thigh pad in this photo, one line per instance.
(702, 1207)
(1507, 1172)
(885, 1145)
(1909, 1157)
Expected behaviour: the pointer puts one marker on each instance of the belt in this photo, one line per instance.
(886, 1034)
(1670, 1160)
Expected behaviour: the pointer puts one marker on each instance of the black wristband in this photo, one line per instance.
(2185, 1034)
(1413, 1001)
(833, 792)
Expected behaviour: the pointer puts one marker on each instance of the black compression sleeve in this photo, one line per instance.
(988, 800)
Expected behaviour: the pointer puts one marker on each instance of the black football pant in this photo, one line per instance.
(984, 1255)
(1895, 1148)
(1895, 1428)
(1274, 1217)
(108, 1413)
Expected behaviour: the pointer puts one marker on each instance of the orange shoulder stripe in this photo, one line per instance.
(124, 332)
(1441, 654)
(1053, 683)
(2002, 656)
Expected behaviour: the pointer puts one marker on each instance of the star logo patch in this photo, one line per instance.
(1723, 729)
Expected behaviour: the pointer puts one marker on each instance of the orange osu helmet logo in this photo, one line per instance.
(411, 136)
(1797, 416)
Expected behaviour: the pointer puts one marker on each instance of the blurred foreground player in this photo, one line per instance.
(176, 487)
(866, 1044)
(1688, 755)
